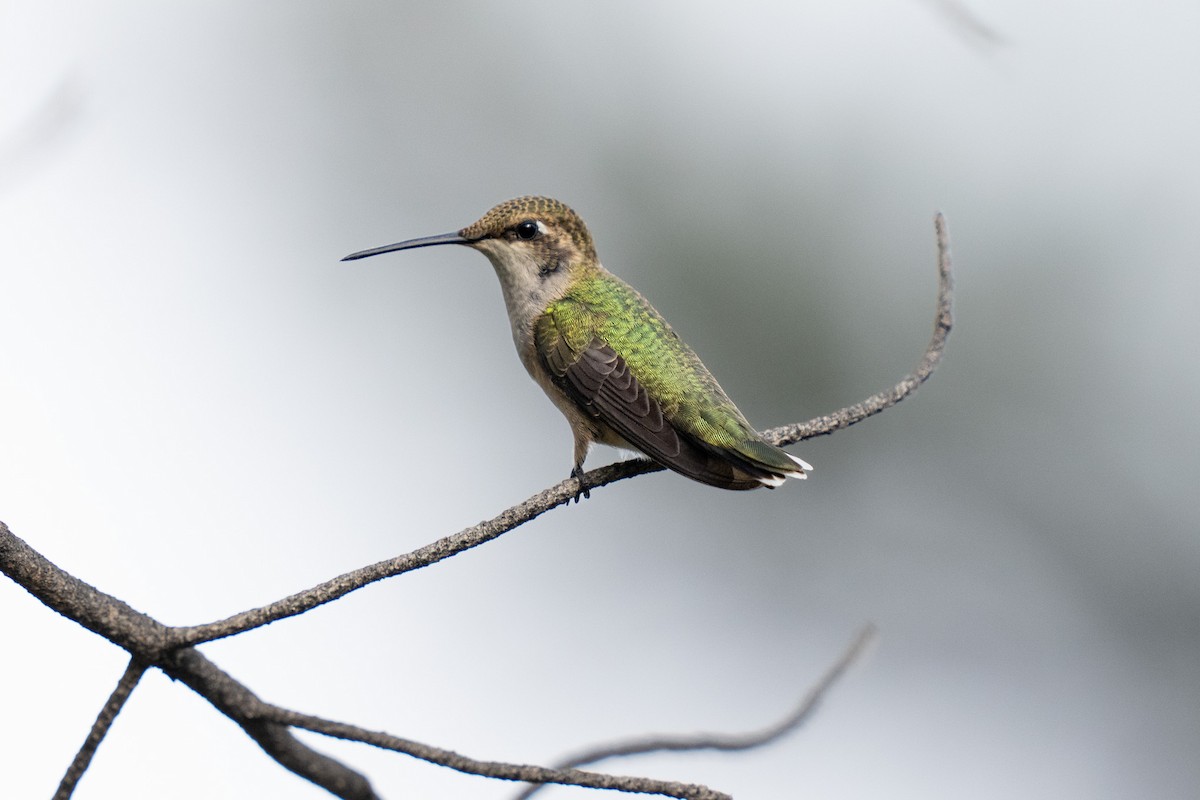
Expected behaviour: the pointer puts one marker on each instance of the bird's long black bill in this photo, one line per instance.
(427, 241)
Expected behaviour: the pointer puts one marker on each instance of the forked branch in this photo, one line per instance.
(172, 649)
(724, 742)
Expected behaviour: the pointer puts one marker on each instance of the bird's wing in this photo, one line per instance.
(600, 383)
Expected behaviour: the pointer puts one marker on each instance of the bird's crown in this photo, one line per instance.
(529, 218)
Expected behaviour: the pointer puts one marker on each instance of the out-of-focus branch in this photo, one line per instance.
(726, 742)
(25, 147)
(966, 23)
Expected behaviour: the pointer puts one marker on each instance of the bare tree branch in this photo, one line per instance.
(559, 495)
(267, 724)
(104, 720)
(351, 581)
(943, 321)
(495, 769)
(244, 707)
(726, 742)
(143, 637)
(100, 613)
(171, 649)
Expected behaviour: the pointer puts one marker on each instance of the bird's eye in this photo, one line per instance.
(529, 229)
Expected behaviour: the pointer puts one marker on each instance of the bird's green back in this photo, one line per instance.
(601, 307)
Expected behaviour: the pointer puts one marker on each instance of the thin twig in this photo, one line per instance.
(104, 720)
(356, 579)
(562, 493)
(725, 742)
(492, 769)
(943, 321)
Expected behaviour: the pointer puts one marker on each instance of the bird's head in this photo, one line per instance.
(529, 240)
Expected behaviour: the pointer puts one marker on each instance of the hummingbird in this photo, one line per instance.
(604, 356)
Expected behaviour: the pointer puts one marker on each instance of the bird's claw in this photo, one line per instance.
(577, 474)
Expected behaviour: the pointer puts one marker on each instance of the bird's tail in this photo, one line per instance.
(753, 463)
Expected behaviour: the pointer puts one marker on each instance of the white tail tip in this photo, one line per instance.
(800, 474)
(804, 465)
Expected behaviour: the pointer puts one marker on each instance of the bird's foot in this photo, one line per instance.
(577, 474)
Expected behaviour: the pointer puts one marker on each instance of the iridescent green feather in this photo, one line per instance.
(599, 307)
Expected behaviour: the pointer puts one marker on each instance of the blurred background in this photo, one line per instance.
(202, 410)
